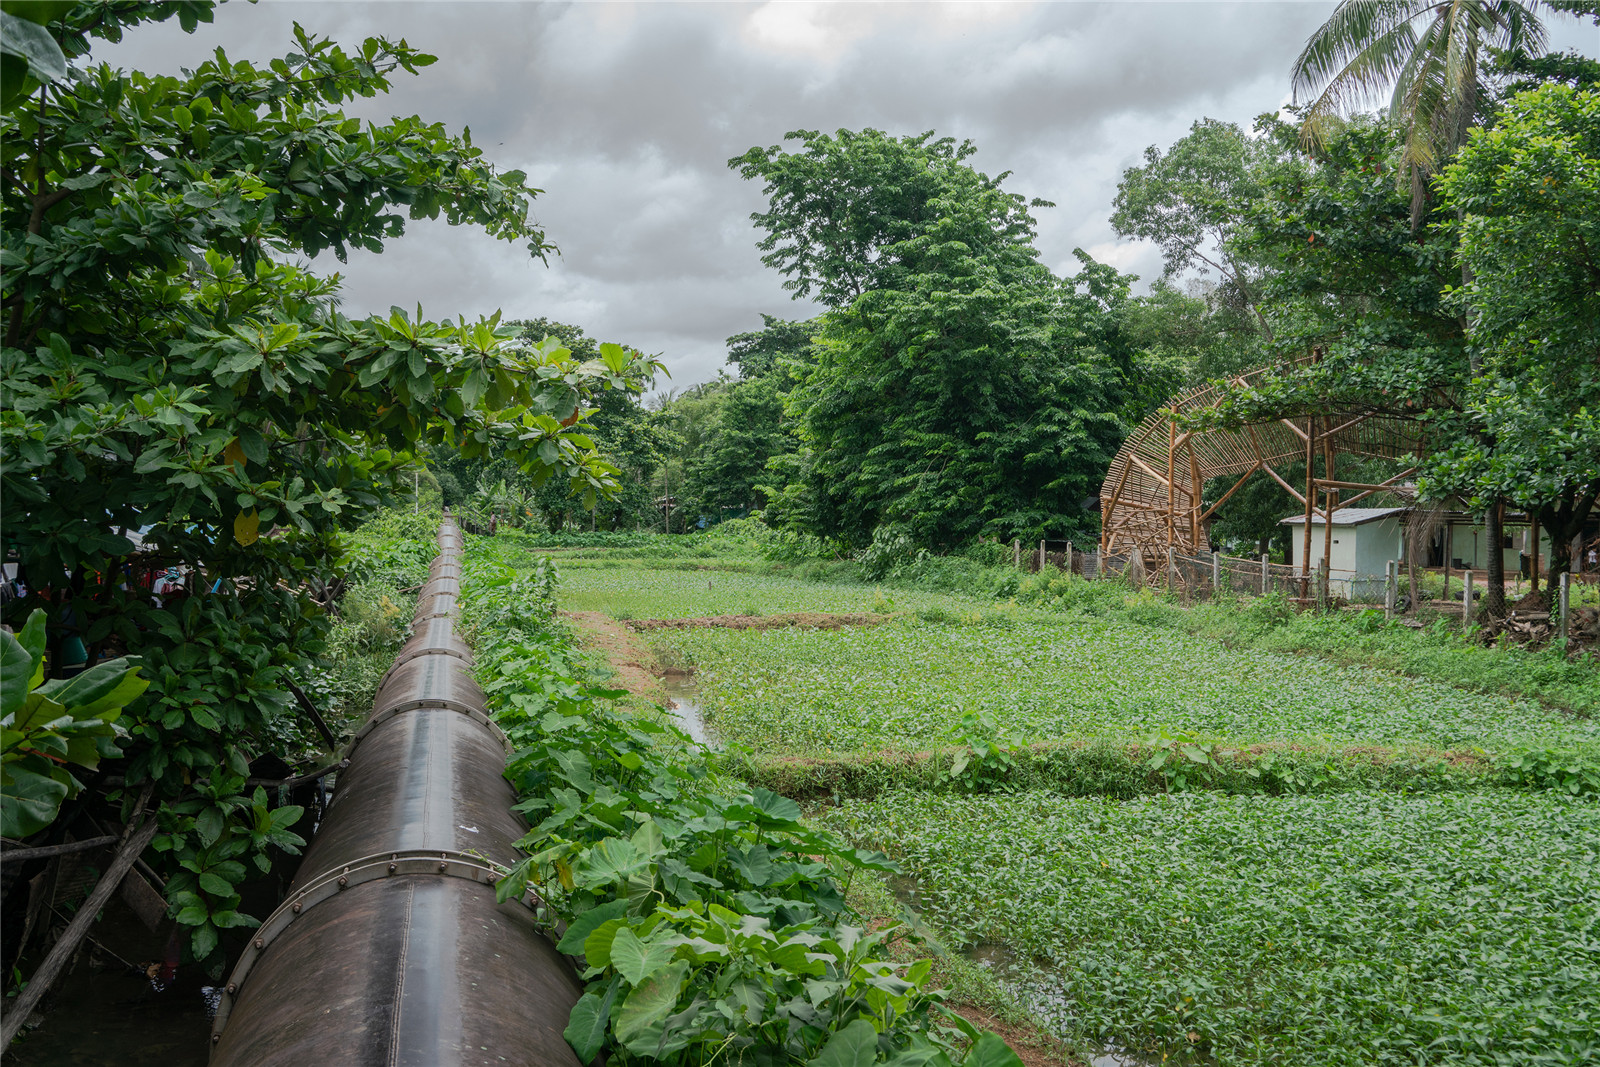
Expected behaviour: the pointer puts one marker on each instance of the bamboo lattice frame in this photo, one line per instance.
(1152, 497)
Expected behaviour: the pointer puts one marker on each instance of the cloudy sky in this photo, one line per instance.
(626, 114)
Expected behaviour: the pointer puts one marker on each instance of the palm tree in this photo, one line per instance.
(1428, 51)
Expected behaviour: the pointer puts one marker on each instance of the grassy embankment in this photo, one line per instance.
(1358, 913)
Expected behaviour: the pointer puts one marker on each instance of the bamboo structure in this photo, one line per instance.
(1152, 498)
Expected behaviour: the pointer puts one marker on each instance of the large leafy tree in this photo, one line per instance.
(170, 369)
(1427, 55)
(1527, 193)
(960, 388)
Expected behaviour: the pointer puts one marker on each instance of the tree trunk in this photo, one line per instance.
(1494, 597)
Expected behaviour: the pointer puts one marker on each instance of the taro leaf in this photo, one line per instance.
(608, 862)
(990, 1050)
(637, 960)
(587, 923)
(597, 946)
(639, 1022)
(28, 800)
(854, 1046)
(586, 1027)
(753, 864)
(766, 808)
(921, 1054)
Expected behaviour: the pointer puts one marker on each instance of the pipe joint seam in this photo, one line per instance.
(347, 876)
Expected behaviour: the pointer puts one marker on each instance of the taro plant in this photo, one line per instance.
(983, 761)
(711, 921)
(1181, 761)
(48, 727)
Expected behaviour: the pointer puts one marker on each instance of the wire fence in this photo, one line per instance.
(1208, 575)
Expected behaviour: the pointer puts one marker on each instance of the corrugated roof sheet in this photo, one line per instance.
(1344, 517)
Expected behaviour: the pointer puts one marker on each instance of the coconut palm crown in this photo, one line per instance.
(1428, 51)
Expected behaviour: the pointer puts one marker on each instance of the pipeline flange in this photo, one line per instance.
(429, 705)
(347, 876)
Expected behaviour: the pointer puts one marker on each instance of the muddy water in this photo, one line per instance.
(107, 1013)
(683, 696)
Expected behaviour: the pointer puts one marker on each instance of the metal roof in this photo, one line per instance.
(1344, 517)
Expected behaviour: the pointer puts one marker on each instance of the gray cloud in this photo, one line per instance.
(625, 115)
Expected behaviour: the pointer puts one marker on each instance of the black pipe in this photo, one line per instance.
(390, 949)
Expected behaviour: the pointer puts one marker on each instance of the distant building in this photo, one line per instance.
(1366, 539)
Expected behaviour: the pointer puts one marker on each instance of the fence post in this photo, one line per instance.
(1041, 557)
(1561, 603)
(1216, 575)
(1266, 575)
(1323, 593)
(1466, 599)
(1391, 587)
(1068, 557)
(1016, 553)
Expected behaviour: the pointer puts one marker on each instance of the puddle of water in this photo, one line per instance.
(682, 694)
(104, 1013)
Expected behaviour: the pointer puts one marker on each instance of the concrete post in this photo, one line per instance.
(1466, 599)
(1266, 575)
(1391, 587)
(1172, 566)
(1322, 584)
(1016, 553)
(1216, 575)
(1041, 557)
(1068, 557)
(1561, 605)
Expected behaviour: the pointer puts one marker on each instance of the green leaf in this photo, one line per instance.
(29, 801)
(16, 667)
(585, 924)
(634, 959)
(208, 824)
(204, 941)
(586, 1026)
(854, 1046)
(32, 42)
(648, 1005)
(990, 1050)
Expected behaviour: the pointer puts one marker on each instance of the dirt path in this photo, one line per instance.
(816, 620)
(629, 656)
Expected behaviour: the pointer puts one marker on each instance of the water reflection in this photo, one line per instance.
(683, 702)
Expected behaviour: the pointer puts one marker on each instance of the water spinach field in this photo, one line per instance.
(1163, 848)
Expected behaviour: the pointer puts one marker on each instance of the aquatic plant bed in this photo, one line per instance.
(1356, 928)
(907, 684)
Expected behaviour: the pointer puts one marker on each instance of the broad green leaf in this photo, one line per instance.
(990, 1050)
(32, 42)
(647, 1007)
(591, 1016)
(856, 1045)
(585, 924)
(29, 801)
(634, 959)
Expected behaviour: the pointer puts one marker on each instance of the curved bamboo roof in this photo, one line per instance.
(1152, 496)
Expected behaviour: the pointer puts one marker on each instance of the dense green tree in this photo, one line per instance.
(774, 349)
(958, 387)
(1527, 194)
(169, 368)
(1190, 201)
